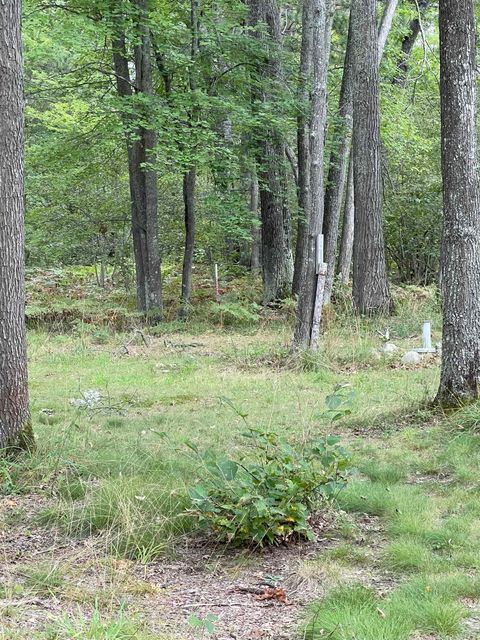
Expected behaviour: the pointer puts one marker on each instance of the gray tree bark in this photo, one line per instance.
(308, 284)
(144, 84)
(256, 253)
(15, 424)
(338, 168)
(461, 232)
(142, 178)
(370, 285)
(277, 261)
(348, 229)
(385, 26)
(303, 141)
(190, 177)
(339, 159)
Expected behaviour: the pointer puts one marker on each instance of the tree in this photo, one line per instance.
(15, 425)
(141, 143)
(370, 285)
(461, 231)
(308, 294)
(190, 176)
(303, 141)
(348, 229)
(277, 261)
(339, 160)
(409, 40)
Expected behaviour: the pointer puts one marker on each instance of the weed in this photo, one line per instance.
(269, 496)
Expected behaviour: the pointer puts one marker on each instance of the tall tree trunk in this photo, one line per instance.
(385, 26)
(124, 90)
(148, 138)
(256, 256)
(142, 179)
(346, 244)
(189, 188)
(15, 425)
(190, 177)
(408, 43)
(337, 173)
(308, 285)
(461, 231)
(370, 285)
(303, 142)
(277, 262)
(339, 159)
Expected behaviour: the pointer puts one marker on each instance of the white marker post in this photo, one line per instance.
(321, 270)
(426, 339)
(217, 285)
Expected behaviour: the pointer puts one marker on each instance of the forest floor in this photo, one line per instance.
(94, 540)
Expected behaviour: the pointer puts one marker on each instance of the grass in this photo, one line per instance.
(403, 551)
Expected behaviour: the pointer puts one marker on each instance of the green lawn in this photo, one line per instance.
(119, 472)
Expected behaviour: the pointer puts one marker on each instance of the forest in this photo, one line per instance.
(239, 320)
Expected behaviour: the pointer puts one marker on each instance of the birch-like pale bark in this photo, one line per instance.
(15, 424)
(308, 285)
(460, 261)
(385, 26)
(348, 229)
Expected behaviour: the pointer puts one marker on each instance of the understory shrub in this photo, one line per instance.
(268, 495)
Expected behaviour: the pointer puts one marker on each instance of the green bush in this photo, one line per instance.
(269, 495)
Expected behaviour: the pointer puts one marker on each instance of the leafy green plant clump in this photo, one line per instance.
(268, 496)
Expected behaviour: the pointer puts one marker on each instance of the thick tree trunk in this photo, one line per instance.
(370, 285)
(303, 142)
(15, 425)
(277, 262)
(461, 231)
(189, 188)
(339, 159)
(308, 285)
(346, 244)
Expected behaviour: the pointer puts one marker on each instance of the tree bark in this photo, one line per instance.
(15, 424)
(190, 177)
(189, 188)
(370, 285)
(308, 285)
(408, 43)
(142, 179)
(385, 26)
(337, 173)
(346, 243)
(277, 262)
(303, 142)
(256, 255)
(461, 231)
(144, 84)
(339, 159)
